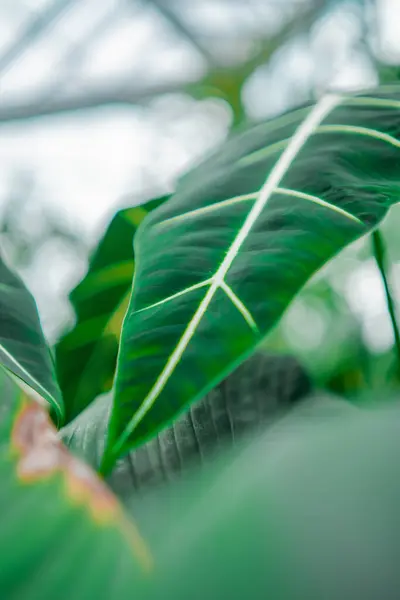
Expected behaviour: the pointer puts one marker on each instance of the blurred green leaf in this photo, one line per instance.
(262, 389)
(320, 329)
(308, 510)
(63, 533)
(220, 262)
(23, 349)
(86, 355)
(304, 510)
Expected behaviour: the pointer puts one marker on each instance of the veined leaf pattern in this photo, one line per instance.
(219, 263)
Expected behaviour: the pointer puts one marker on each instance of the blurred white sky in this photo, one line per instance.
(86, 163)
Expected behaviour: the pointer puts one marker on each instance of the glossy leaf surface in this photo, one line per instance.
(219, 263)
(86, 355)
(23, 349)
(63, 533)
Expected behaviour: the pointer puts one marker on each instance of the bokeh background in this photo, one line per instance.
(105, 103)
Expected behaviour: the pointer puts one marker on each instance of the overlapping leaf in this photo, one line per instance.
(307, 511)
(63, 534)
(277, 535)
(254, 396)
(86, 355)
(23, 349)
(222, 259)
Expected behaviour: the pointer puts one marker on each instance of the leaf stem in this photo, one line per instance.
(107, 463)
(379, 249)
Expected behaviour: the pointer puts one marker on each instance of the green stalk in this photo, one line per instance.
(379, 249)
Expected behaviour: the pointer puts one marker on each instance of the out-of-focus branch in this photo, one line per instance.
(69, 64)
(170, 15)
(228, 82)
(35, 28)
(108, 95)
(225, 82)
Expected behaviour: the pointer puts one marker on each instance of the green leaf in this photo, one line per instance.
(23, 349)
(262, 389)
(308, 510)
(63, 533)
(219, 263)
(86, 355)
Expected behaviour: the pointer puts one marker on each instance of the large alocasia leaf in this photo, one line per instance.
(62, 532)
(219, 263)
(23, 349)
(86, 355)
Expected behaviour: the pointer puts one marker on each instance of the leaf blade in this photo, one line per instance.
(264, 253)
(258, 393)
(23, 349)
(63, 532)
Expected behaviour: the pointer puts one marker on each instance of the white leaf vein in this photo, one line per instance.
(366, 131)
(242, 308)
(248, 197)
(45, 394)
(173, 296)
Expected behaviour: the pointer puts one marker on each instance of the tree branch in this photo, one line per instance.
(109, 95)
(181, 28)
(33, 30)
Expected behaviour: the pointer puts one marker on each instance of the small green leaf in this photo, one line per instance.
(63, 533)
(86, 355)
(220, 262)
(23, 349)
